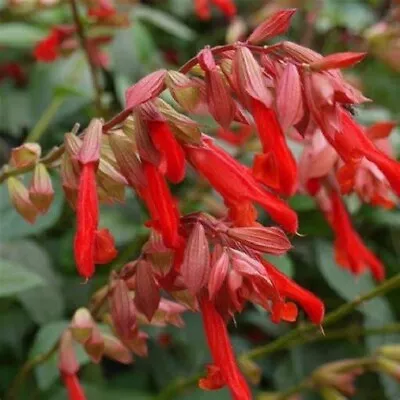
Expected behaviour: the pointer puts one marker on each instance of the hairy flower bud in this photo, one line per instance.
(195, 265)
(147, 294)
(41, 190)
(90, 149)
(275, 25)
(82, 325)
(25, 155)
(19, 196)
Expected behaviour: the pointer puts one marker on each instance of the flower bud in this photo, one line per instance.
(389, 367)
(114, 349)
(95, 345)
(147, 295)
(391, 351)
(196, 261)
(329, 393)
(250, 369)
(67, 361)
(271, 240)
(276, 25)
(184, 90)
(82, 324)
(90, 149)
(72, 144)
(236, 30)
(127, 160)
(123, 311)
(25, 155)
(337, 60)
(184, 128)
(19, 197)
(146, 89)
(41, 190)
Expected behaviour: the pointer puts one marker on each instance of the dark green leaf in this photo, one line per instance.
(15, 279)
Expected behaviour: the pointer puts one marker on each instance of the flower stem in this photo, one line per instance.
(86, 48)
(40, 128)
(297, 337)
(16, 384)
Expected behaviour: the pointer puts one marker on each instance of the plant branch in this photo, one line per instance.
(40, 128)
(16, 384)
(296, 336)
(86, 48)
(330, 319)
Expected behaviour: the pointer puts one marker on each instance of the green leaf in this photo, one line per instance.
(44, 304)
(283, 263)
(302, 203)
(14, 279)
(103, 393)
(377, 319)
(164, 21)
(344, 283)
(199, 394)
(12, 224)
(15, 112)
(47, 372)
(20, 35)
(15, 325)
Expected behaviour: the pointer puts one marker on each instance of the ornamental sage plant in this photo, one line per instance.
(209, 264)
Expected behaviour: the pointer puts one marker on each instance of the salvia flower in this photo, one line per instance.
(202, 8)
(226, 370)
(350, 251)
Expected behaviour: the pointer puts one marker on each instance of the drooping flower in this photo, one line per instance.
(202, 8)
(276, 167)
(90, 245)
(350, 251)
(87, 214)
(73, 386)
(172, 152)
(162, 208)
(221, 170)
(49, 48)
(222, 354)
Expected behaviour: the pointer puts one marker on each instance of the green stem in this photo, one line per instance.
(40, 128)
(16, 384)
(300, 387)
(330, 319)
(85, 44)
(297, 335)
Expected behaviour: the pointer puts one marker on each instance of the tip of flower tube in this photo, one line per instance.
(322, 330)
(300, 234)
(85, 281)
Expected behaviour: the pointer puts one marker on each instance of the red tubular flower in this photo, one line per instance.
(226, 6)
(48, 49)
(222, 353)
(104, 246)
(311, 304)
(102, 10)
(172, 152)
(87, 214)
(163, 211)
(74, 388)
(350, 251)
(221, 170)
(275, 168)
(202, 9)
(14, 71)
